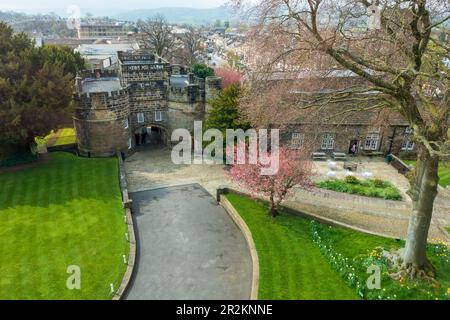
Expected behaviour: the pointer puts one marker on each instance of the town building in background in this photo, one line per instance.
(96, 30)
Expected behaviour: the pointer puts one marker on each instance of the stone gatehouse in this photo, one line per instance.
(141, 102)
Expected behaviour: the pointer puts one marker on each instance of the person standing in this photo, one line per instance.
(354, 149)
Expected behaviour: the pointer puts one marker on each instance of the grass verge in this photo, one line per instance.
(444, 171)
(291, 265)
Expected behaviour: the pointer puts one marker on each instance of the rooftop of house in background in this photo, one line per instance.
(102, 24)
(105, 50)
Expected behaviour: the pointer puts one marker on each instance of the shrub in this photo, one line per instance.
(352, 180)
(371, 192)
(202, 70)
(334, 185)
(392, 194)
(18, 159)
(378, 183)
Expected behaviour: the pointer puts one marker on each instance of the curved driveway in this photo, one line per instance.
(188, 247)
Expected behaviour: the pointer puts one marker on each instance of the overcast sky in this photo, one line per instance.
(49, 5)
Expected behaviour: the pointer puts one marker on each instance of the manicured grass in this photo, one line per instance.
(59, 138)
(294, 267)
(66, 136)
(291, 265)
(368, 188)
(61, 213)
(444, 171)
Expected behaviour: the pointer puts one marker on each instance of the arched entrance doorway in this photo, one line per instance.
(149, 135)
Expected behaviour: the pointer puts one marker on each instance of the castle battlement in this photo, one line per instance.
(140, 57)
(190, 93)
(93, 74)
(106, 94)
(189, 88)
(112, 107)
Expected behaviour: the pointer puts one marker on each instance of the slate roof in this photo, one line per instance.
(101, 85)
(179, 81)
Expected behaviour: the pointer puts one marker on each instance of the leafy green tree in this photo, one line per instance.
(202, 70)
(70, 61)
(224, 113)
(36, 87)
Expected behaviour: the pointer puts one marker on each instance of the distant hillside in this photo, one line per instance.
(181, 15)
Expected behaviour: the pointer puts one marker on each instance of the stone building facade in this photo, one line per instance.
(142, 102)
(336, 127)
(370, 139)
(101, 30)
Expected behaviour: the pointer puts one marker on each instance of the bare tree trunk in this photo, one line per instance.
(423, 192)
(273, 208)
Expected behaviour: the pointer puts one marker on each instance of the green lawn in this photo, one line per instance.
(444, 171)
(59, 138)
(64, 212)
(294, 267)
(355, 246)
(291, 265)
(66, 136)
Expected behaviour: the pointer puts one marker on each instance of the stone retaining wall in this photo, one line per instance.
(398, 164)
(308, 215)
(127, 202)
(249, 238)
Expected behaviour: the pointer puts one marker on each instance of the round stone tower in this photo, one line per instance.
(101, 117)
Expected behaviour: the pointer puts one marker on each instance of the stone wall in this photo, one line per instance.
(100, 123)
(182, 116)
(185, 106)
(107, 122)
(127, 204)
(101, 138)
(391, 137)
(212, 89)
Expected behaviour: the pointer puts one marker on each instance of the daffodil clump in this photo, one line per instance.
(355, 270)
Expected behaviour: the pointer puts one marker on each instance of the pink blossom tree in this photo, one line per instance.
(295, 170)
(228, 75)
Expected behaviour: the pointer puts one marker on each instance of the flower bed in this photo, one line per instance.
(369, 188)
